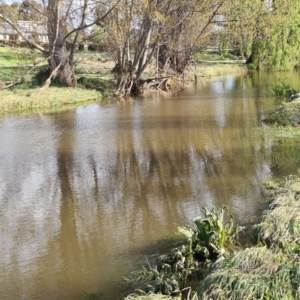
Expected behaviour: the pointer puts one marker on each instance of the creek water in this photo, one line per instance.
(87, 193)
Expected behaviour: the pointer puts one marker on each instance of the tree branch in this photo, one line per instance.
(21, 33)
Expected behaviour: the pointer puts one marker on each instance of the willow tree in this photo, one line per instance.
(266, 32)
(63, 21)
(280, 50)
(165, 31)
(192, 24)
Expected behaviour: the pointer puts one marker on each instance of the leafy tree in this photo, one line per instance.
(266, 32)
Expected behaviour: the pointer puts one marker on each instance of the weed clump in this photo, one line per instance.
(202, 245)
(280, 225)
(288, 114)
(283, 89)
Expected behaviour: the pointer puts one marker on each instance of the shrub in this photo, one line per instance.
(212, 232)
(287, 114)
(283, 89)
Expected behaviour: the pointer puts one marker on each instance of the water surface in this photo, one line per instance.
(84, 193)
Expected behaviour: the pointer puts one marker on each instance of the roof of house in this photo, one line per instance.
(24, 26)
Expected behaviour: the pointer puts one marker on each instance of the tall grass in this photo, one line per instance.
(272, 270)
(255, 273)
(150, 296)
(280, 225)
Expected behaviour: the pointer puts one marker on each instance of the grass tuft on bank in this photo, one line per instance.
(288, 114)
(254, 273)
(280, 225)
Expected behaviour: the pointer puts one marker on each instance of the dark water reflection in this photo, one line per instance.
(84, 192)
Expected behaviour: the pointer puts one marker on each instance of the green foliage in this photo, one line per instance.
(288, 114)
(215, 56)
(97, 35)
(94, 83)
(175, 269)
(280, 49)
(254, 273)
(212, 232)
(283, 89)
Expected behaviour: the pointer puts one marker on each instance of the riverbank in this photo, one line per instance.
(285, 120)
(50, 98)
(22, 99)
(269, 268)
(94, 77)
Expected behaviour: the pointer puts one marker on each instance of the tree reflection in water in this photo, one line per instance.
(84, 192)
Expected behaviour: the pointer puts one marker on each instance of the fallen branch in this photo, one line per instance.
(155, 78)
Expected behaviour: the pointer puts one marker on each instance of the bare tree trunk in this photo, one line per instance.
(59, 58)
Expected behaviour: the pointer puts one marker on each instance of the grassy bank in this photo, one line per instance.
(288, 114)
(285, 120)
(217, 68)
(53, 97)
(94, 82)
(269, 268)
(93, 71)
(15, 62)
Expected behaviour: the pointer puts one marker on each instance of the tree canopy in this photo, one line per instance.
(266, 31)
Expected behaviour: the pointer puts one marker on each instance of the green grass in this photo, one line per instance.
(144, 296)
(52, 97)
(254, 273)
(280, 225)
(14, 62)
(271, 268)
(93, 85)
(285, 132)
(267, 270)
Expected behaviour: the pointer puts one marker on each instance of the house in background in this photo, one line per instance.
(33, 30)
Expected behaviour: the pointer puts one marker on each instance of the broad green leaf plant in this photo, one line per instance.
(209, 238)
